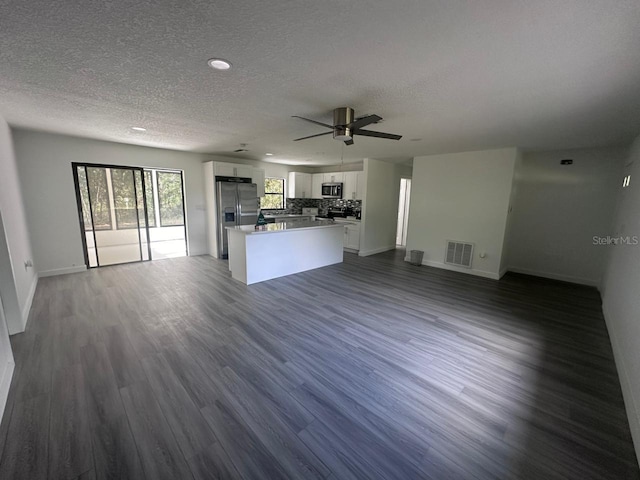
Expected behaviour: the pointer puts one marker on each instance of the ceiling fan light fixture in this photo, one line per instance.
(342, 134)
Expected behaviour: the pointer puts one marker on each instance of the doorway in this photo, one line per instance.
(403, 212)
(129, 214)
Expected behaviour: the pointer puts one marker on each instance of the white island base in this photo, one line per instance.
(283, 249)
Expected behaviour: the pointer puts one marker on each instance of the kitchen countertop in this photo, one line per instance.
(347, 220)
(279, 227)
(285, 215)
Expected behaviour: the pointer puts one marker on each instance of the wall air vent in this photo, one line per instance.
(459, 253)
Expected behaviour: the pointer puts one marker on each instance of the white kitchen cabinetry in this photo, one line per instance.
(245, 171)
(233, 170)
(316, 185)
(359, 185)
(224, 169)
(257, 177)
(335, 177)
(299, 185)
(350, 186)
(352, 237)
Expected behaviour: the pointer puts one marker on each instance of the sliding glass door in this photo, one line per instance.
(113, 213)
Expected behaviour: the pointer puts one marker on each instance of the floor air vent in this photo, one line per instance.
(459, 254)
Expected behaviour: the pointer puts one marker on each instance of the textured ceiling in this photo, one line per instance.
(448, 75)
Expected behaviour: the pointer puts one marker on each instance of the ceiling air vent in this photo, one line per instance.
(459, 253)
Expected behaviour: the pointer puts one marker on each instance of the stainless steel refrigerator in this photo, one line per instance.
(237, 204)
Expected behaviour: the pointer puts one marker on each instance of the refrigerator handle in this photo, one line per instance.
(238, 208)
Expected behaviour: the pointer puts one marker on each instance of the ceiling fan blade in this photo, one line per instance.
(348, 142)
(364, 121)
(369, 133)
(313, 121)
(311, 136)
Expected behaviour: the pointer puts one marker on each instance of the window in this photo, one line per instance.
(151, 207)
(124, 198)
(170, 199)
(273, 193)
(97, 181)
(84, 197)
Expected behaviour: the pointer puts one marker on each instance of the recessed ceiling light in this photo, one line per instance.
(268, 154)
(219, 64)
(139, 129)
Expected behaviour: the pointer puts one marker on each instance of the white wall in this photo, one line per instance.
(559, 208)
(620, 291)
(17, 283)
(379, 206)
(44, 163)
(461, 197)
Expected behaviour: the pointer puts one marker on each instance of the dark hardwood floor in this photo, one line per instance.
(370, 369)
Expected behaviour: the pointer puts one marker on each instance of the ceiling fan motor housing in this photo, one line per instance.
(341, 118)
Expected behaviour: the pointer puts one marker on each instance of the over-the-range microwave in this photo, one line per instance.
(332, 190)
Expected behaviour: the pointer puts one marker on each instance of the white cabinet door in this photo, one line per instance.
(353, 237)
(245, 171)
(233, 170)
(350, 186)
(225, 169)
(303, 185)
(316, 185)
(257, 177)
(333, 177)
(299, 185)
(360, 186)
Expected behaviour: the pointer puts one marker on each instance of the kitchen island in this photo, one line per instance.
(283, 248)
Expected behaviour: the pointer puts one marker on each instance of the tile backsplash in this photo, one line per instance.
(295, 205)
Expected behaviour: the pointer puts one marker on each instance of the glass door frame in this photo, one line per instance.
(76, 182)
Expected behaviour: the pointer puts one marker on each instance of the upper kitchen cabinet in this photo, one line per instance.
(350, 186)
(316, 185)
(335, 177)
(233, 170)
(360, 187)
(257, 177)
(353, 188)
(299, 185)
(244, 171)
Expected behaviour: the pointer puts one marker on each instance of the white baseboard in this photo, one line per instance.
(453, 268)
(5, 383)
(27, 305)
(62, 271)
(630, 402)
(366, 253)
(555, 276)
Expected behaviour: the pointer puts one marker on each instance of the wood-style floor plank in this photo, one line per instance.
(26, 451)
(70, 451)
(373, 368)
(159, 451)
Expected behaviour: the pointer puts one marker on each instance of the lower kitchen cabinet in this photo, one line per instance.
(352, 237)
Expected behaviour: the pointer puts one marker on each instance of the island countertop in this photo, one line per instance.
(285, 226)
(283, 248)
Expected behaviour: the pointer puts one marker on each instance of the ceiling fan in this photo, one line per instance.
(345, 126)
